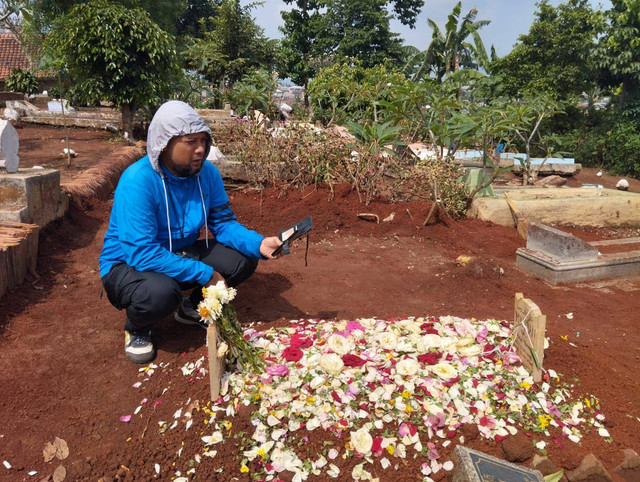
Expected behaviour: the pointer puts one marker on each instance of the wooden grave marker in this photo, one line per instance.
(216, 363)
(529, 343)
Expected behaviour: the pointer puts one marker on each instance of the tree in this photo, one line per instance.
(10, 11)
(234, 47)
(618, 53)
(301, 27)
(449, 51)
(165, 13)
(555, 56)
(357, 29)
(196, 19)
(114, 53)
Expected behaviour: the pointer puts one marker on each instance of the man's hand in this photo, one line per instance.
(215, 278)
(269, 245)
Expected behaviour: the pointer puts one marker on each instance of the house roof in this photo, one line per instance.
(11, 55)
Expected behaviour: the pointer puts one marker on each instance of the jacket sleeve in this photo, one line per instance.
(223, 223)
(137, 210)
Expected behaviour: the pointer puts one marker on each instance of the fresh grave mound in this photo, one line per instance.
(363, 399)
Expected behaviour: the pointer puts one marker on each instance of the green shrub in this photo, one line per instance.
(622, 148)
(24, 81)
(348, 91)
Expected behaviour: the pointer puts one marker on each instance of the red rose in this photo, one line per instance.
(299, 341)
(352, 360)
(376, 448)
(430, 358)
(292, 354)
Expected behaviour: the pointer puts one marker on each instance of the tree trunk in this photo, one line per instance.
(128, 111)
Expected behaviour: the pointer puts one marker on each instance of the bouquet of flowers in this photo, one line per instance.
(216, 308)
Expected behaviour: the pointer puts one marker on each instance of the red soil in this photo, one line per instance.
(63, 372)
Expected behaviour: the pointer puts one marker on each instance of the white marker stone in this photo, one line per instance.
(9, 144)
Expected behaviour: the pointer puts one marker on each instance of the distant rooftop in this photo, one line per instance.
(11, 55)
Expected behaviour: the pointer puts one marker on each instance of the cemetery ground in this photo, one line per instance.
(63, 373)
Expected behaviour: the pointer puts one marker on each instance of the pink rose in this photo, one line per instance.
(279, 370)
(354, 325)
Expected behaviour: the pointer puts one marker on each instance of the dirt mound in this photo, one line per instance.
(63, 372)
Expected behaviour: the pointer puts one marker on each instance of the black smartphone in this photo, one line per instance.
(291, 234)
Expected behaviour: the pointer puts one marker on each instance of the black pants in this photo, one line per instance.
(148, 297)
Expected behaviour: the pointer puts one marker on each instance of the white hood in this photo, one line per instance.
(173, 118)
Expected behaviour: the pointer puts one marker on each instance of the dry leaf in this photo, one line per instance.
(49, 452)
(59, 474)
(389, 218)
(62, 449)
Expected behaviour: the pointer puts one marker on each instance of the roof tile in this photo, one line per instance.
(11, 55)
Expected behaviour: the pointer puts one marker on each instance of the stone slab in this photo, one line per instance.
(555, 272)
(231, 169)
(559, 244)
(570, 206)
(552, 169)
(32, 196)
(475, 466)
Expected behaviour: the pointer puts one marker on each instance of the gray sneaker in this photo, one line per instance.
(187, 315)
(138, 346)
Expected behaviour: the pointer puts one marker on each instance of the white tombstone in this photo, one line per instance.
(11, 114)
(9, 144)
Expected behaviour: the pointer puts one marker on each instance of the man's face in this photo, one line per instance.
(184, 155)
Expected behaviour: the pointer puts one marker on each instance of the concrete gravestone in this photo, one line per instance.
(8, 146)
(475, 466)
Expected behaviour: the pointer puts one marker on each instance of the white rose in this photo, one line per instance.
(471, 350)
(317, 382)
(448, 345)
(387, 340)
(410, 325)
(431, 341)
(332, 363)
(444, 370)
(405, 345)
(340, 345)
(362, 441)
(407, 367)
(467, 340)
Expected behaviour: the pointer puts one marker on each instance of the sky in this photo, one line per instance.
(509, 18)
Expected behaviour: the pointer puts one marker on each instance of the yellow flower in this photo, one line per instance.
(390, 449)
(244, 469)
(204, 312)
(544, 420)
(525, 385)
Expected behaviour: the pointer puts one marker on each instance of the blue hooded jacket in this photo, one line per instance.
(156, 213)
